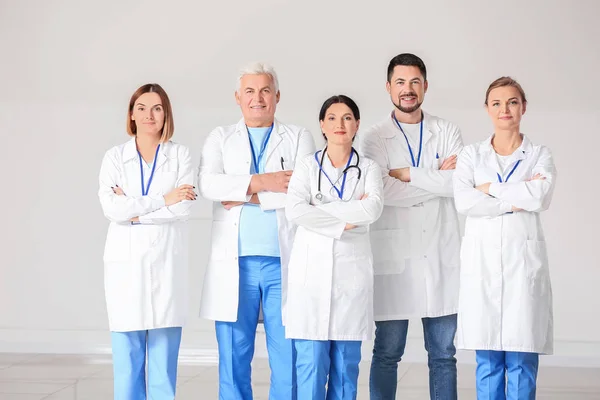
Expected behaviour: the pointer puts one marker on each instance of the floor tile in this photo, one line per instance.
(46, 373)
(32, 387)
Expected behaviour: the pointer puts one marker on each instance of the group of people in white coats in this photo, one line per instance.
(332, 244)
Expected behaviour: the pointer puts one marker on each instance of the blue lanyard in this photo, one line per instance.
(510, 174)
(145, 192)
(412, 156)
(262, 149)
(339, 191)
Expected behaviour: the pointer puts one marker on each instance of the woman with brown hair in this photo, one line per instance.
(505, 301)
(146, 193)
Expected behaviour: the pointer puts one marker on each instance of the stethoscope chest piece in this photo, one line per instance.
(319, 196)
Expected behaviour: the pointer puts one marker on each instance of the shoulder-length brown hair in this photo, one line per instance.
(168, 127)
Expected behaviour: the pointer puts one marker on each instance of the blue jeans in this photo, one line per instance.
(130, 349)
(327, 369)
(260, 280)
(390, 341)
(515, 371)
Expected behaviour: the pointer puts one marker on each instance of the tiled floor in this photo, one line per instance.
(61, 377)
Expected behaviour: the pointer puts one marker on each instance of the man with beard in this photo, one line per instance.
(416, 240)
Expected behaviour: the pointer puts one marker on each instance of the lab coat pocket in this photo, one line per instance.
(118, 243)
(390, 249)
(168, 181)
(536, 261)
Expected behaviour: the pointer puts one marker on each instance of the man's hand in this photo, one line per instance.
(277, 181)
(449, 163)
(402, 174)
(228, 205)
(270, 182)
(484, 187)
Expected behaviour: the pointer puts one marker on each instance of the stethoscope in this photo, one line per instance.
(339, 191)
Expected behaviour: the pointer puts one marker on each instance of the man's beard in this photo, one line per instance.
(408, 110)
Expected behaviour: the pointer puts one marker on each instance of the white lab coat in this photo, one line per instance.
(225, 176)
(416, 242)
(505, 294)
(146, 265)
(330, 282)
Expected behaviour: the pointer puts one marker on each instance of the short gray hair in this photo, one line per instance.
(259, 68)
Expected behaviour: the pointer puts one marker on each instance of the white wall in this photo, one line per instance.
(68, 68)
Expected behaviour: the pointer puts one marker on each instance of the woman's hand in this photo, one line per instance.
(118, 191)
(537, 177)
(183, 192)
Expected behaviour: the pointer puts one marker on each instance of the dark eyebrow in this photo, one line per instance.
(140, 104)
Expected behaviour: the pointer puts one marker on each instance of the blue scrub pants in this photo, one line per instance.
(129, 363)
(260, 280)
(499, 370)
(330, 362)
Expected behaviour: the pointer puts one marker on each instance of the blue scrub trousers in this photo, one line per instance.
(327, 362)
(130, 349)
(515, 372)
(260, 280)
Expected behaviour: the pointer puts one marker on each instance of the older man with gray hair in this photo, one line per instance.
(245, 170)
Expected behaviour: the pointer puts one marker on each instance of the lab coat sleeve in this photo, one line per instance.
(533, 196)
(438, 182)
(179, 211)
(118, 208)
(213, 182)
(272, 200)
(299, 210)
(396, 192)
(470, 201)
(361, 212)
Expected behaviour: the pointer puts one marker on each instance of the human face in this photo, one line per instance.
(148, 114)
(407, 88)
(339, 125)
(505, 107)
(258, 100)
